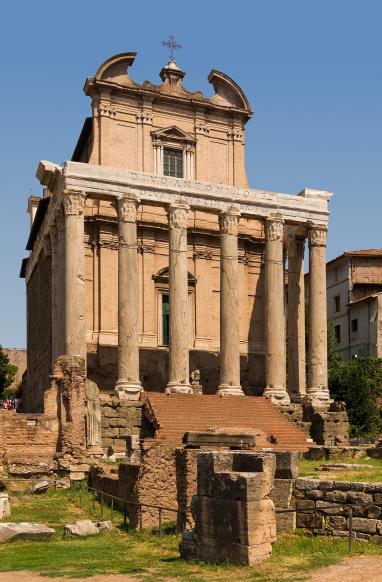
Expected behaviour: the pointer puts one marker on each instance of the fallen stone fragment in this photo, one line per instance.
(24, 531)
(62, 484)
(81, 528)
(40, 487)
(104, 524)
(5, 506)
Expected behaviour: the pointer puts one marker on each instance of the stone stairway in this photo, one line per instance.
(175, 414)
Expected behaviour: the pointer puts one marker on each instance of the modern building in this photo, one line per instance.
(354, 298)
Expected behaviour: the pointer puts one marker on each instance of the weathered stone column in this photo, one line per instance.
(296, 319)
(318, 392)
(75, 333)
(275, 372)
(178, 281)
(128, 386)
(229, 305)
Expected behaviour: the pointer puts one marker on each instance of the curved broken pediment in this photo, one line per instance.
(227, 92)
(116, 69)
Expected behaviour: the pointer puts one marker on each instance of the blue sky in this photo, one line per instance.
(312, 71)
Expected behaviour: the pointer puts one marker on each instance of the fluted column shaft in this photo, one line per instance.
(318, 392)
(128, 386)
(75, 333)
(229, 305)
(296, 319)
(275, 364)
(178, 292)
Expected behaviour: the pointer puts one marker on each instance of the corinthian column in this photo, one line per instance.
(178, 282)
(318, 392)
(128, 386)
(275, 373)
(296, 319)
(229, 305)
(55, 283)
(75, 333)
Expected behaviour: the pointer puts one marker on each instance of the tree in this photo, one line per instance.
(359, 384)
(7, 372)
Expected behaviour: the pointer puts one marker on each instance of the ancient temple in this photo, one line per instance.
(151, 258)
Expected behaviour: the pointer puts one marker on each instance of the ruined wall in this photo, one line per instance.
(27, 443)
(120, 418)
(153, 366)
(39, 334)
(316, 495)
(152, 482)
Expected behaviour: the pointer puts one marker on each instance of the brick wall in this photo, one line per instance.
(364, 498)
(38, 336)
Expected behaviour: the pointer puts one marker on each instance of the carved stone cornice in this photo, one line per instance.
(127, 209)
(244, 259)
(274, 229)
(203, 254)
(202, 128)
(107, 111)
(228, 221)
(144, 117)
(178, 215)
(109, 244)
(145, 249)
(74, 203)
(235, 134)
(318, 236)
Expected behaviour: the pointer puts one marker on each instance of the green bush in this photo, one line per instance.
(359, 384)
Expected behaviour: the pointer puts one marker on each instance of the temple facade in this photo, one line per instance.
(151, 258)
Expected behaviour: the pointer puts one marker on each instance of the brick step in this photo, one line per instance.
(176, 414)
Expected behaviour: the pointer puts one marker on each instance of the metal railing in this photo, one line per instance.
(124, 503)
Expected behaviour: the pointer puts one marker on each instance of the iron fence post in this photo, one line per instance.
(101, 510)
(81, 494)
(140, 518)
(124, 514)
(111, 509)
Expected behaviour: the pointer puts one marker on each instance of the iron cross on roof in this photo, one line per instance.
(172, 45)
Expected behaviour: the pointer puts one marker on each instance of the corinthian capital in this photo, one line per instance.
(127, 209)
(228, 221)
(317, 236)
(74, 203)
(274, 228)
(177, 215)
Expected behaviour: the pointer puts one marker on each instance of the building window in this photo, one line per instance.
(173, 162)
(337, 333)
(337, 303)
(354, 325)
(165, 319)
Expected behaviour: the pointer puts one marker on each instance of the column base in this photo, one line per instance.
(175, 388)
(227, 390)
(296, 398)
(128, 390)
(318, 397)
(277, 395)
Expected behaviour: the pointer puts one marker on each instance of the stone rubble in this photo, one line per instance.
(24, 531)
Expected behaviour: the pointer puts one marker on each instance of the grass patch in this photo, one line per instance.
(371, 475)
(148, 557)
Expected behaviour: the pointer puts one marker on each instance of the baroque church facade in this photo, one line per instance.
(151, 258)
